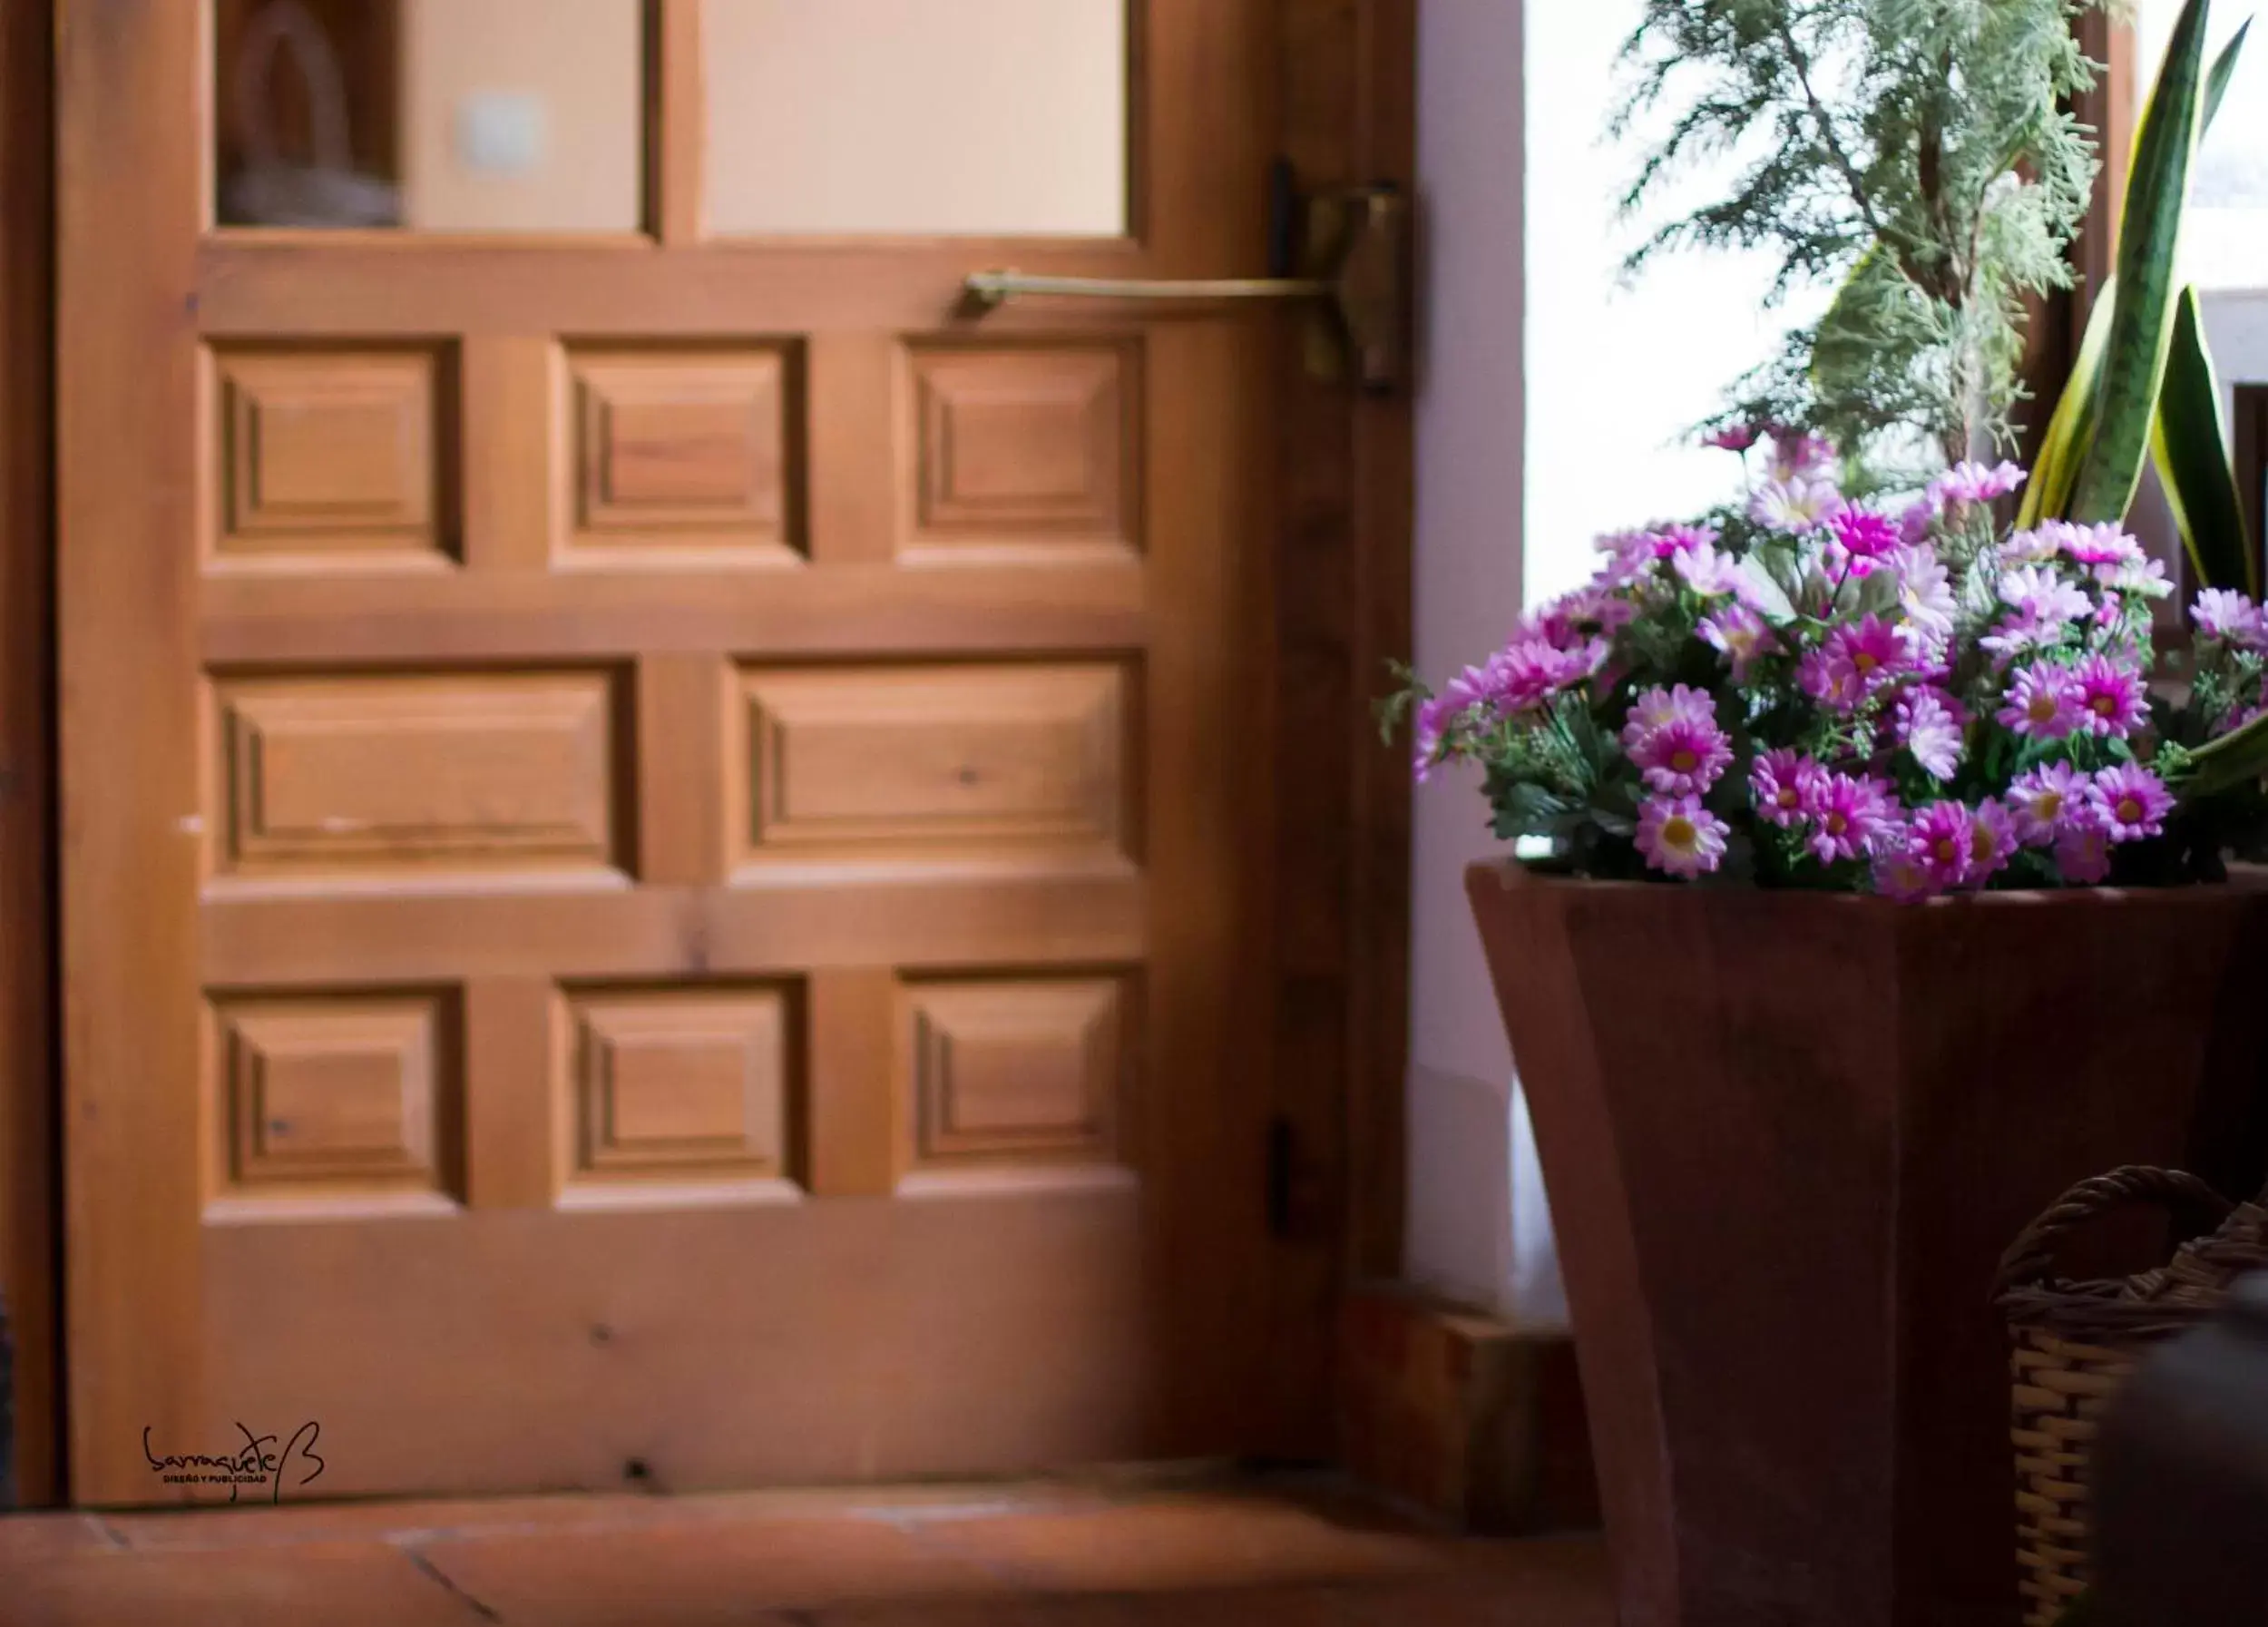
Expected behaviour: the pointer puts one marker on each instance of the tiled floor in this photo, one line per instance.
(1051, 1555)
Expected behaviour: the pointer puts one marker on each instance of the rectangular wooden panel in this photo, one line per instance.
(684, 452)
(387, 775)
(333, 457)
(353, 1098)
(679, 1094)
(1022, 1073)
(933, 762)
(1029, 450)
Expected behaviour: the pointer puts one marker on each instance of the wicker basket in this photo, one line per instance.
(2076, 1342)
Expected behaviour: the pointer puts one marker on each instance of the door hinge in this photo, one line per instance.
(1283, 1151)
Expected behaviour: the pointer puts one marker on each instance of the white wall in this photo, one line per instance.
(1552, 407)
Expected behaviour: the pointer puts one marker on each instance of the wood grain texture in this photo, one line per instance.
(30, 1183)
(129, 194)
(677, 122)
(511, 443)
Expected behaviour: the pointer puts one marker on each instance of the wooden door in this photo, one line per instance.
(659, 829)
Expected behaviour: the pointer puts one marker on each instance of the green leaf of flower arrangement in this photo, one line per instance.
(2071, 431)
(2142, 326)
(2236, 757)
(2190, 444)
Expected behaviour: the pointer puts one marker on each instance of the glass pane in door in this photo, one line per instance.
(433, 115)
(917, 117)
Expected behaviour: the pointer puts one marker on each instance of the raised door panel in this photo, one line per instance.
(391, 776)
(934, 764)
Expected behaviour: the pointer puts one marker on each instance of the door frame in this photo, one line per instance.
(1336, 849)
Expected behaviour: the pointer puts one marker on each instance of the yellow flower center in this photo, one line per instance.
(1948, 851)
(1835, 822)
(2103, 705)
(1864, 661)
(1677, 831)
(2040, 707)
(1789, 796)
(1684, 760)
(2130, 812)
(2049, 809)
(1981, 844)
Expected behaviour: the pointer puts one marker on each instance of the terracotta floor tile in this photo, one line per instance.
(26, 1537)
(700, 1571)
(1185, 1542)
(265, 1524)
(336, 1584)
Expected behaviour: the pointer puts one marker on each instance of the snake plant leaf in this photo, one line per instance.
(2237, 757)
(2142, 327)
(2056, 469)
(2190, 445)
(2217, 81)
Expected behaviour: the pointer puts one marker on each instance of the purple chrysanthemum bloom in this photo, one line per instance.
(1796, 506)
(1974, 483)
(2144, 576)
(1658, 707)
(1526, 673)
(1865, 535)
(1783, 783)
(2131, 801)
(1573, 619)
(1848, 814)
(2111, 697)
(1680, 837)
(2046, 800)
(1942, 838)
(1914, 525)
(1737, 438)
(2043, 703)
(1669, 541)
(1900, 875)
(2042, 596)
(2032, 547)
(1682, 758)
(1930, 726)
(1991, 841)
(2083, 851)
(2229, 616)
(1739, 634)
(1798, 456)
(1707, 572)
(1925, 588)
(1862, 656)
(1630, 555)
(2103, 544)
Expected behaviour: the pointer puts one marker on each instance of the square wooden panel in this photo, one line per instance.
(348, 1097)
(332, 458)
(683, 451)
(935, 763)
(385, 775)
(685, 1088)
(1028, 449)
(1019, 1073)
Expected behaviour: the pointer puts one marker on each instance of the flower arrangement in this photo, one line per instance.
(1823, 686)
(1808, 690)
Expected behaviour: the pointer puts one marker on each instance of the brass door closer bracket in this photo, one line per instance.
(1348, 257)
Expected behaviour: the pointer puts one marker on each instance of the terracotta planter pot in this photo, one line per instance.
(1786, 1137)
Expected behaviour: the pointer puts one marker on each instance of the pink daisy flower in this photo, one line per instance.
(2032, 547)
(1974, 483)
(1913, 525)
(2045, 801)
(1943, 842)
(1929, 726)
(1784, 783)
(1925, 588)
(1682, 758)
(1796, 505)
(1865, 535)
(2043, 703)
(1991, 841)
(2131, 801)
(1797, 455)
(1680, 837)
(2231, 617)
(1707, 572)
(2083, 852)
(2145, 577)
(1657, 706)
(1739, 634)
(1862, 657)
(2104, 545)
(1900, 876)
(2037, 593)
(1669, 541)
(2111, 696)
(1848, 814)
(1737, 437)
